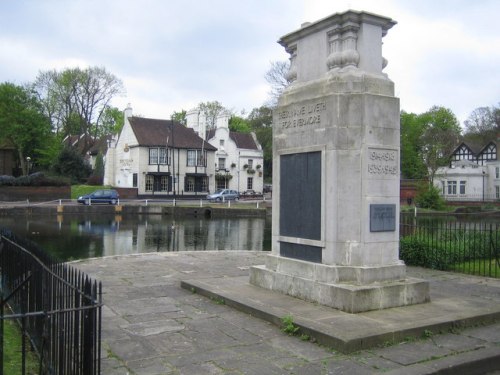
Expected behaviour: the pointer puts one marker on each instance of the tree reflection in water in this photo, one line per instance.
(71, 237)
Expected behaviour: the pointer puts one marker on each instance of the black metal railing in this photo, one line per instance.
(459, 246)
(57, 307)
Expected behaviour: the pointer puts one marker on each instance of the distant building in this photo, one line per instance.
(160, 158)
(239, 159)
(473, 174)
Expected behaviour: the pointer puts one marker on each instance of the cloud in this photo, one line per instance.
(173, 54)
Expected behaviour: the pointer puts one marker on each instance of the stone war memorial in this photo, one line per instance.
(335, 230)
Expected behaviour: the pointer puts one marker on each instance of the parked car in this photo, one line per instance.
(224, 195)
(109, 196)
(249, 193)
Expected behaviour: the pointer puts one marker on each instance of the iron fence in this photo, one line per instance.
(440, 243)
(57, 307)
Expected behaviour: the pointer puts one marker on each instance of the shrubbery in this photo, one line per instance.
(443, 248)
(428, 196)
(35, 179)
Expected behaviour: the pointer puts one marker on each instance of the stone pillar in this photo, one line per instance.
(335, 236)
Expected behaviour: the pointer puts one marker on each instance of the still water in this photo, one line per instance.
(71, 237)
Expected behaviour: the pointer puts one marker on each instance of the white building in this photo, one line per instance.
(239, 159)
(473, 174)
(160, 158)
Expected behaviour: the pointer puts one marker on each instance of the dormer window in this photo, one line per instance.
(221, 144)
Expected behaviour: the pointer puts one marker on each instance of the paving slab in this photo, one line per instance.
(153, 326)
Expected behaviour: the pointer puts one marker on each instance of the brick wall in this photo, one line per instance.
(34, 193)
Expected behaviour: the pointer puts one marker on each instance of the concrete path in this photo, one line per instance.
(151, 325)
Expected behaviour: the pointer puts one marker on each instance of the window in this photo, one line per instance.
(163, 156)
(250, 164)
(134, 179)
(443, 188)
(153, 156)
(249, 183)
(497, 192)
(497, 172)
(204, 184)
(196, 158)
(221, 144)
(462, 187)
(222, 163)
(164, 183)
(158, 155)
(149, 182)
(190, 183)
(452, 187)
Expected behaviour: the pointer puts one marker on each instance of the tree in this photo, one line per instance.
(76, 100)
(276, 76)
(261, 122)
(412, 129)
(22, 122)
(482, 125)
(211, 110)
(239, 124)
(71, 164)
(439, 139)
(180, 117)
(112, 121)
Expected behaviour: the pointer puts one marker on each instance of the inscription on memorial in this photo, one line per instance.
(382, 217)
(301, 115)
(382, 162)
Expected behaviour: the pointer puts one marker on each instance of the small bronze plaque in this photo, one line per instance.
(382, 217)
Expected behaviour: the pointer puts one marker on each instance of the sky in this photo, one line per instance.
(173, 54)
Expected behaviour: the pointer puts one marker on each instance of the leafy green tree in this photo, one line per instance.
(180, 117)
(261, 122)
(71, 164)
(412, 129)
(22, 122)
(49, 152)
(76, 100)
(428, 196)
(212, 110)
(439, 139)
(112, 121)
(239, 124)
(99, 165)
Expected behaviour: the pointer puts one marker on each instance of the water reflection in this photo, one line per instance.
(82, 236)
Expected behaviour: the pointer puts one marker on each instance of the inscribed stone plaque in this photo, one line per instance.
(382, 217)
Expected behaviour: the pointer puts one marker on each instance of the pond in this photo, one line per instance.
(71, 237)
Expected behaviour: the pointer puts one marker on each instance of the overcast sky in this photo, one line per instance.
(172, 55)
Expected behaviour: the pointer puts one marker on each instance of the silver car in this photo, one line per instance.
(224, 195)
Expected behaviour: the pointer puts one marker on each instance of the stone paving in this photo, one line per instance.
(153, 326)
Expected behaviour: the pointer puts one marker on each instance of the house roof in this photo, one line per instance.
(242, 140)
(155, 132)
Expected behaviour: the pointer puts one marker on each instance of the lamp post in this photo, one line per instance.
(483, 184)
(28, 165)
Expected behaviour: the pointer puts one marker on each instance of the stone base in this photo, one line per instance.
(321, 284)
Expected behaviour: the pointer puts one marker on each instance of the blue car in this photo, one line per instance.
(224, 195)
(100, 196)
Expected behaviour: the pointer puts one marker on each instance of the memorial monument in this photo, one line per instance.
(335, 231)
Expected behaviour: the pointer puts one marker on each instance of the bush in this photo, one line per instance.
(35, 179)
(415, 251)
(72, 165)
(428, 196)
